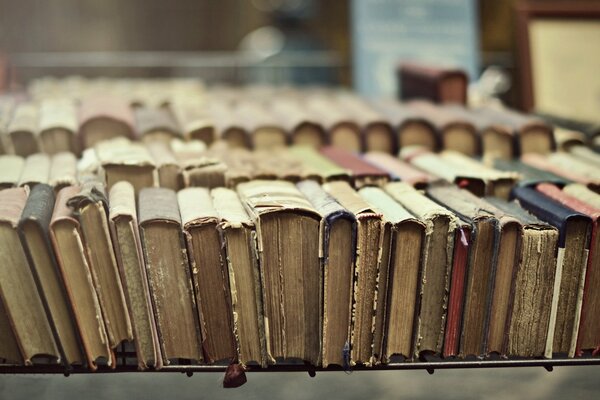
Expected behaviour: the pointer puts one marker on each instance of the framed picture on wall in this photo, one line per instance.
(559, 57)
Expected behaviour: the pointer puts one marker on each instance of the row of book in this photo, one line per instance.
(276, 271)
(71, 115)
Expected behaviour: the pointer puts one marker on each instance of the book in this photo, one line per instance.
(589, 129)
(528, 175)
(585, 154)
(58, 125)
(337, 231)
(239, 241)
(573, 244)
(434, 278)
(533, 284)
(575, 164)
(129, 162)
(412, 129)
(18, 289)
(302, 128)
(90, 206)
(68, 243)
(439, 85)
(10, 170)
(288, 252)
(103, 118)
(33, 228)
(35, 170)
(210, 276)
(369, 233)
(456, 130)
(362, 172)
(168, 170)
(488, 237)
(9, 348)
(541, 162)
(63, 170)
(23, 130)
(169, 275)
(401, 256)
(227, 126)
(583, 193)
(589, 328)
(317, 165)
(264, 131)
(342, 128)
(155, 124)
(194, 120)
(398, 169)
(128, 250)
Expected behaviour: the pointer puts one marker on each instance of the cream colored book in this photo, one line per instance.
(63, 170)
(126, 162)
(23, 130)
(583, 193)
(58, 125)
(11, 167)
(35, 170)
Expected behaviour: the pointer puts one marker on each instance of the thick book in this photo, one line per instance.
(398, 169)
(168, 170)
(34, 226)
(533, 284)
(35, 170)
(194, 121)
(369, 234)
(337, 234)
(288, 252)
(440, 85)
(209, 273)
(363, 173)
(302, 128)
(487, 239)
(23, 130)
(90, 206)
(18, 289)
(434, 278)
(589, 327)
(58, 125)
(103, 118)
(169, 275)
(124, 161)
(128, 250)
(63, 170)
(68, 243)
(155, 124)
(583, 193)
(10, 170)
(264, 130)
(238, 234)
(401, 258)
(573, 244)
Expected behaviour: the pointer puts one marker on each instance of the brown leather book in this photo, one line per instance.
(456, 131)
(91, 207)
(128, 250)
(398, 169)
(34, 232)
(23, 130)
(411, 128)
(170, 283)
(533, 284)
(17, 287)
(369, 233)
(68, 243)
(363, 173)
(239, 242)
(338, 245)
(434, 278)
(104, 117)
(529, 134)
(155, 124)
(167, 167)
(63, 170)
(9, 348)
(288, 252)
(58, 125)
(440, 85)
(10, 170)
(401, 257)
(35, 170)
(126, 161)
(209, 273)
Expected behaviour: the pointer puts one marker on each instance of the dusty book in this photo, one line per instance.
(63, 170)
(23, 130)
(264, 130)
(398, 169)
(434, 278)
(128, 250)
(210, 277)
(10, 170)
(35, 170)
(125, 161)
(583, 193)
(527, 174)
(369, 235)
(302, 128)
(318, 166)
(401, 256)
(168, 170)
(288, 252)
(337, 234)
(58, 125)
(169, 275)
(34, 228)
(193, 120)
(572, 256)
(155, 124)
(529, 313)
(362, 172)
(90, 206)
(9, 348)
(103, 118)
(68, 244)
(239, 240)
(18, 289)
